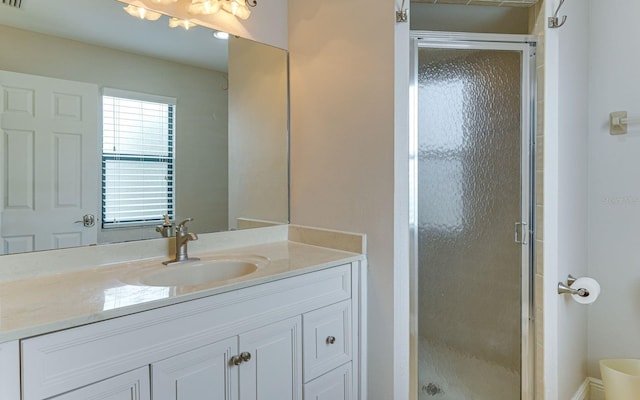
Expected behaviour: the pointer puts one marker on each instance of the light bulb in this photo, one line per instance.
(204, 7)
(142, 13)
(184, 23)
(221, 35)
(237, 8)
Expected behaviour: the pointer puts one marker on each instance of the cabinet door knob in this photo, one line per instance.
(236, 360)
(245, 356)
(331, 339)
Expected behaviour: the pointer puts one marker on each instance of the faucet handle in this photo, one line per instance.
(183, 224)
(167, 221)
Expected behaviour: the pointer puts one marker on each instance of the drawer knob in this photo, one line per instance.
(235, 360)
(331, 339)
(245, 356)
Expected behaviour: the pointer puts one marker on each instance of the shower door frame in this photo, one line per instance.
(526, 44)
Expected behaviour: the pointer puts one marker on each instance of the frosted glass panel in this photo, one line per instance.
(469, 197)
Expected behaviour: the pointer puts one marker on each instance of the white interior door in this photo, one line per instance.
(50, 163)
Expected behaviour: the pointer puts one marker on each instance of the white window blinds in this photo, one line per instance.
(137, 158)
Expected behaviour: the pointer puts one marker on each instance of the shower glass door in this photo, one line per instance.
(472, 219)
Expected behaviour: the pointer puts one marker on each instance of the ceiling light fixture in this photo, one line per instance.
(142, 13)
(183, 23)
(238, 8)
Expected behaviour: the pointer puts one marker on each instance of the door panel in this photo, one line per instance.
(275, 368)
(132, 385)
(201, 374)
(50, 173)
(470, 194)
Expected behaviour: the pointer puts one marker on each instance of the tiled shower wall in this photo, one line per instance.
(537, 22)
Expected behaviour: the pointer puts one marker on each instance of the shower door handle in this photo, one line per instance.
(521, 232)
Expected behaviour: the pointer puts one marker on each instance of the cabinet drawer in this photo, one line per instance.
(334, 385)
(326, 339)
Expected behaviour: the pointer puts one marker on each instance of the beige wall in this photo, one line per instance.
(342, 145)
(201, 138)
(614, 173)
(562, 201)
(258, 132)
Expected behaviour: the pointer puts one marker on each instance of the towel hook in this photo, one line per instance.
(553, 21)
(401, 14)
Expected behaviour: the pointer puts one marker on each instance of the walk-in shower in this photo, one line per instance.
(473, 102)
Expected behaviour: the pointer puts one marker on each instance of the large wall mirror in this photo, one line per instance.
(109, 122)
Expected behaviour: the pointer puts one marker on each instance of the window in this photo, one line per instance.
(137, 158)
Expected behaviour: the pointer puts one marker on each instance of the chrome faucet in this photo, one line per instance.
(183, 236)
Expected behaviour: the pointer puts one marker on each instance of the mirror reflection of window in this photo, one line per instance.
(127, 295)
(137, 158)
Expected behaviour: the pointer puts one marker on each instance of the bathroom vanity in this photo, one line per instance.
(291, 329)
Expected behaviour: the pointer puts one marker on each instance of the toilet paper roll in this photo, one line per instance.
(586, 283)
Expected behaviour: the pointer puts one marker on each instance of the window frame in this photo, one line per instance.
(169, 159)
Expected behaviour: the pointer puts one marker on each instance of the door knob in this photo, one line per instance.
(88, 221)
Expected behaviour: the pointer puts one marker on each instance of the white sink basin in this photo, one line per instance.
(207, 270)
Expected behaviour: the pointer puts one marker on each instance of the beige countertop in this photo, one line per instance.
(47, 303)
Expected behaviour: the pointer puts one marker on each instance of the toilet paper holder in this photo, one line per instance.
(564, 288)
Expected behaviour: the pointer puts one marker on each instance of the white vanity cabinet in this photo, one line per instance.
(275, 340)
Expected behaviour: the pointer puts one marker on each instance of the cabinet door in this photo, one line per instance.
(201, 374)
(9, 370)
(334, 385)
(274, 369)
(133, 385)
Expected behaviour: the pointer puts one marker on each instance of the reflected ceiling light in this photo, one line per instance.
(205, 7)
(238, 8)
(221, 35)
(164, 2)
(142, 13)
(183, 23)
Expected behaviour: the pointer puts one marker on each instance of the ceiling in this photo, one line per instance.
(105, 23)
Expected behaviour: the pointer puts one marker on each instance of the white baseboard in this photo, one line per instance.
(596, 389)
(591, 389)
(583, 391)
